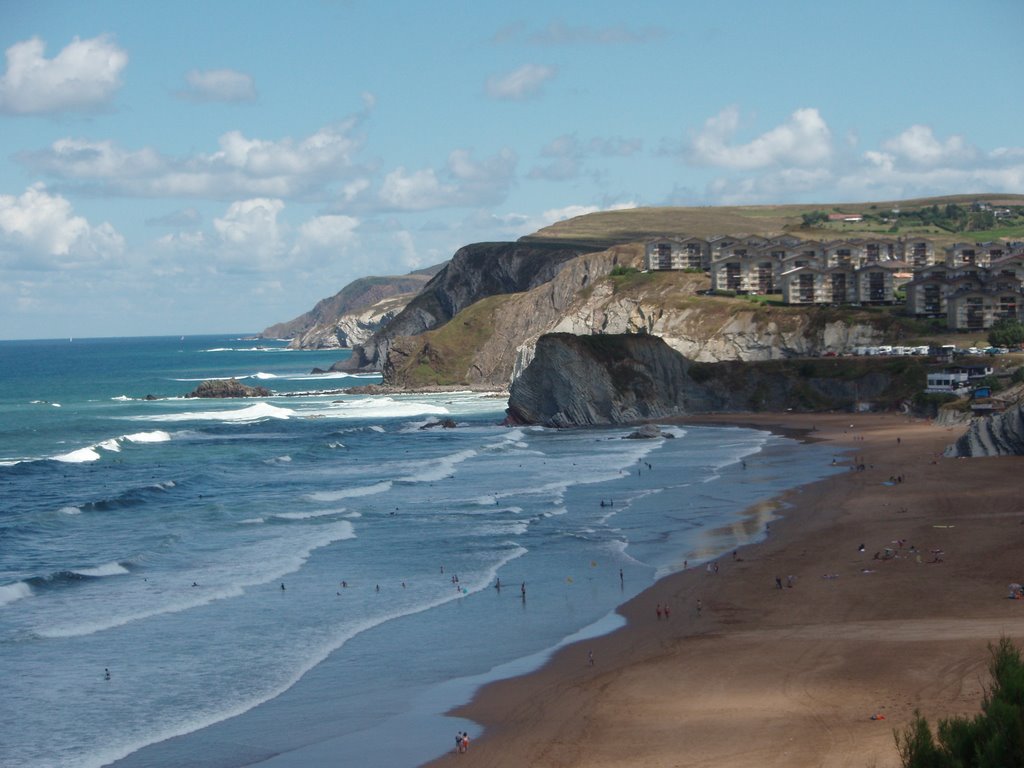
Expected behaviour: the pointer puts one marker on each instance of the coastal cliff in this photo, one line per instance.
(354, 313)
(615, 379)
(999, 435)
(475, 272)
(491, 342)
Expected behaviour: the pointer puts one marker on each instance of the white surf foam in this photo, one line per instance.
(110, 569)
(109, 445)
(251, 521)
(439, 469)
(69, 510)
(377, 408)
(16, 591)
(262, 375)
(309, 515)
(348, 493)
(157, 436)
(263, 562)
(79, 456)
(256, 412)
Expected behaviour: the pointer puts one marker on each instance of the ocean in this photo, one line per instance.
(300, 579)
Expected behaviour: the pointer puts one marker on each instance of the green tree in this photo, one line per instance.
(813, 218)
(1006, 333)
(992, 739)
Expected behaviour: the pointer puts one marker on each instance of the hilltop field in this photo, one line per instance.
(894, 218)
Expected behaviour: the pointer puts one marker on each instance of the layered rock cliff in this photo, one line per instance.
(999, 435)
(615, 379)
(354, 313)
(475, 272)
(489, 344)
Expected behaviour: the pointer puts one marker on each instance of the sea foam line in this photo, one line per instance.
(16, 591)
(348, 493)
(89, 453)
(321, 536)
(314, 659)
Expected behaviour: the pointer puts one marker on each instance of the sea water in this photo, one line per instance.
(311, 578)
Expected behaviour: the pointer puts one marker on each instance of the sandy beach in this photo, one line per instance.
(877, 592)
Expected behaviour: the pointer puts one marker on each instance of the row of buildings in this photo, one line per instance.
(971, 284)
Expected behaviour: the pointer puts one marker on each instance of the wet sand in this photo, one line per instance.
(768, 676)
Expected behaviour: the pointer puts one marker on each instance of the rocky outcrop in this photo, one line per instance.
(354, 313)
(475, 272)
(999, 435)
(587, 380)
(616, 379)
(228, 388)
(584, 298)
(352, 328)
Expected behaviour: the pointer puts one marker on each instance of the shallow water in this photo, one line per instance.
(153, 539)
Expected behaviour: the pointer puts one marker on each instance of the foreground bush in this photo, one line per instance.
(992, 739)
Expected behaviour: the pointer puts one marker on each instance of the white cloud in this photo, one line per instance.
(803, 140)
(227, 85)
(914, 163)
(464, 182)
(250, 237)
(918, 146)
(39, 231)
(241, 166)
(82, 77)
(96, 160)
(520, 83)
(415, 191)
(328, 235)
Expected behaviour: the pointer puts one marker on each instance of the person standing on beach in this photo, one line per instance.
(657, 609)
(700, 606)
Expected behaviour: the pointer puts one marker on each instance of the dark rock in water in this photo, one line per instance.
(228, 388)
(578, 381)
(999, 435)
(317, 372)
(151, 397)
(646, 432)
(443, 424)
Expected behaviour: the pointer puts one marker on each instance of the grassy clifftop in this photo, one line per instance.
(637, 224)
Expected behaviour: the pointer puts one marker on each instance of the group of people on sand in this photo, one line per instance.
(461, 742)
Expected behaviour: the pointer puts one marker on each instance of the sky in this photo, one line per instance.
(203, 167)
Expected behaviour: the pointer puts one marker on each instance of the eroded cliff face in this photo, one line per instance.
(474, 273)
(588, 380)
(337, 320)
(616, 379)
(998, 435)
(583, 298)
(717, 329)
(351, 328)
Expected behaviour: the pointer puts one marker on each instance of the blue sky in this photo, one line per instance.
(191, 167)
